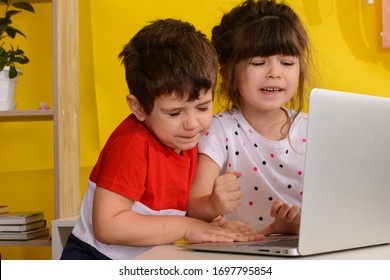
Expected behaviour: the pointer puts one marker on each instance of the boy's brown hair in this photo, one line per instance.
(169, 56)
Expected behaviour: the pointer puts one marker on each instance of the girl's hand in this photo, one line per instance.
(226, 194)
(287, 219)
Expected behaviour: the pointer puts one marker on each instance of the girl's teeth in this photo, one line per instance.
(271, 89)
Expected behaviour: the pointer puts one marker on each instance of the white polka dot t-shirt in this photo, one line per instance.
(271, 170)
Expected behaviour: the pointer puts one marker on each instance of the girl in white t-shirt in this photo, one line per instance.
(251, 160)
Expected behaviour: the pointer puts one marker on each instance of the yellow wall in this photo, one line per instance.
(345, 35)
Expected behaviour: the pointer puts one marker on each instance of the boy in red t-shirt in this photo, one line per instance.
(139, 188)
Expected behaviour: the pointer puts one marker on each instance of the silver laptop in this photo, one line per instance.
(346, 194)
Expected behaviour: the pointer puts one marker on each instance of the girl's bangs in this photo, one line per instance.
(271, 38)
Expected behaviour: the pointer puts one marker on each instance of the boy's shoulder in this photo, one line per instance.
(131, 131)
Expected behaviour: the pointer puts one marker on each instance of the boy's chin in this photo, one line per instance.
(185, 147)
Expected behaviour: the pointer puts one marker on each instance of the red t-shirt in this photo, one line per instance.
(133, 163)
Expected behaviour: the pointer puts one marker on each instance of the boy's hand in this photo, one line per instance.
(238, 227)
(287, 219)
(199, 231)
(226, 194)
(243, 229)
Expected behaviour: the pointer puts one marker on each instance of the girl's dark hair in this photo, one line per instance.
(259, 28)
(169, 56)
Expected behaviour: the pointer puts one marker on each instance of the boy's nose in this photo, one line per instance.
(191, 122)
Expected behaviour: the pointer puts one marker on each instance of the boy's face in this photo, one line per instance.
(180, 124)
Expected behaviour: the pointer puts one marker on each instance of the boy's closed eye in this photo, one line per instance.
(174, 114)
(203, 109)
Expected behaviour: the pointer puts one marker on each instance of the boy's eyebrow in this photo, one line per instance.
(207, 102)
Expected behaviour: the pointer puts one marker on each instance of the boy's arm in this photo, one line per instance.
(114, 223)
(211, 194)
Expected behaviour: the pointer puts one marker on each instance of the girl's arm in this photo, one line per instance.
(114, 223)
(212, 195)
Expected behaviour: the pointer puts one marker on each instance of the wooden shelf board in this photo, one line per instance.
(33, 1)
(26, 115)
(42, 241)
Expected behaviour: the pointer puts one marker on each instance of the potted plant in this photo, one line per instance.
(10, 55)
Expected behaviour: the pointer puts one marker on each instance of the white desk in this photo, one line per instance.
(172, 252)
(62, 228)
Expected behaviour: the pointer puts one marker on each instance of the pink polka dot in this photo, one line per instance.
(272, 155)
(301, 193)
(300, 172)
(255, 168)
(304, 140)
(230, 165)
(220, 115)
(250, 203)
(250, 131)
(227, 139)
(207, 133)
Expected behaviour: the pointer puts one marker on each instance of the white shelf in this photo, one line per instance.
(61, 229)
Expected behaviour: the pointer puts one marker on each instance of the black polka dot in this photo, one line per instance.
(237, 153)
(236, 132)
(264, 162)
(260, 218)
(238, 125)
(256, 188)
(286, 151)
(270, 198)
(227, 148)
(281, 165)
(289, 186)
(255, 145)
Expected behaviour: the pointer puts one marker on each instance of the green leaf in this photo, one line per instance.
(11, 13)
(11, 32)
(24, 6)
(4, 22)
(12, 72)
(19, 32)
(20, 60)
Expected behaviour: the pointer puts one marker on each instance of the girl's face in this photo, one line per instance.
(267, 83)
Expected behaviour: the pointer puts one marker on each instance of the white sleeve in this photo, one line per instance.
(213, 143)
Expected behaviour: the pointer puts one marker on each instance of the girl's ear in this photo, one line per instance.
(135, 107)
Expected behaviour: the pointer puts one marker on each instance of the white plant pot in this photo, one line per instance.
(7, 89)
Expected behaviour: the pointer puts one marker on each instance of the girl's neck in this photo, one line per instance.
(272, 125)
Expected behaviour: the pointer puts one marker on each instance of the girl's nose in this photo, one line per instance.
(273, 72)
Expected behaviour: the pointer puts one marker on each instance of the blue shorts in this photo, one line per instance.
(75, 249)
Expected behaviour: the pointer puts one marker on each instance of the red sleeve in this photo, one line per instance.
(122, 165)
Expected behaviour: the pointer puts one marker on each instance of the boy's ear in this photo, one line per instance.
(135, 107)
